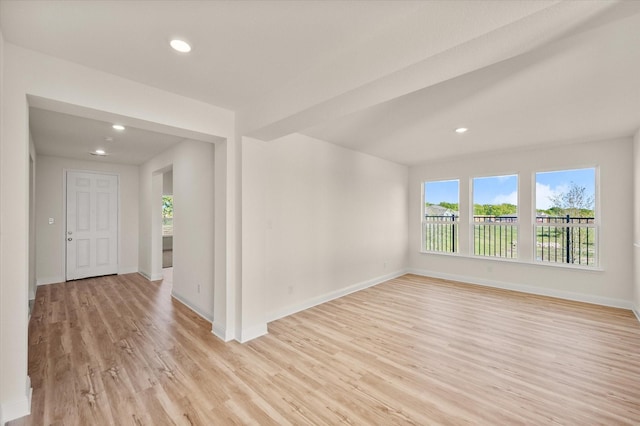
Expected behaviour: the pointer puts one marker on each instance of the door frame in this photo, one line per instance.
(63, 228)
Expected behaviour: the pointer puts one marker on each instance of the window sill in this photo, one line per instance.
(517, 261)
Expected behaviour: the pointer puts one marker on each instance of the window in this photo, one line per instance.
(167, 215)
(495, 216)
(565, 230)
(440, 216)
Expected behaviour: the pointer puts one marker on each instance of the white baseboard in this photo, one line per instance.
(16, 408)
(129, 270)
(32, 295)
(220, 331)
(318, 300)
(193, 307)
(155, 277)
(636, 311)
(59, 279)
(253, 332)
(523, 288)
(49, 280)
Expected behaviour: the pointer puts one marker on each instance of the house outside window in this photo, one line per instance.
(440, 216)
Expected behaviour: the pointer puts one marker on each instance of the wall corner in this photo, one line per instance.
(222, 332)
(253, 332)
(16, 408)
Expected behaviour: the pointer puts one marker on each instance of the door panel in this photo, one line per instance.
(102, 251)
(92, 225)
(83, 253)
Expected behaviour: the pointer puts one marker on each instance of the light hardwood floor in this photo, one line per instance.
(119, 350)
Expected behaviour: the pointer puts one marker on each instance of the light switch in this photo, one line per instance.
(51, 221)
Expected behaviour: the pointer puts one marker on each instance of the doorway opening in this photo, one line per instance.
(167, 231)
(167, 220)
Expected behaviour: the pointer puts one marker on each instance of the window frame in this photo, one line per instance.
(492, 224)
(455, 224)
(595, 224)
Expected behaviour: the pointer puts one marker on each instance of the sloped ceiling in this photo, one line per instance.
(390, 78)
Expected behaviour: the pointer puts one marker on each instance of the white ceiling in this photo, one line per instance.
(243, 50)
(240, 49)
(576, 81)
(583, 88)
(70, 136)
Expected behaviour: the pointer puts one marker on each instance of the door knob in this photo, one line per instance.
(69, 239)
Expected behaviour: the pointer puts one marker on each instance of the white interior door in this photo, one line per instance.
(92, 225)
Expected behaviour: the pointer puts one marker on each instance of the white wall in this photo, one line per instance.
(27, 73)
(32, 219)
(167, 183)
(3, 342)
(610, 286)
(193, 166)
(330, 221)
(50, 246)
(636, 220)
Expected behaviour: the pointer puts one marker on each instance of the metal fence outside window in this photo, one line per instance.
(566, 239)
(440, 233)
(558, 239)
(495, 236)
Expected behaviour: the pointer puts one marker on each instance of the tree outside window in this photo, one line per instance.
(167, 215)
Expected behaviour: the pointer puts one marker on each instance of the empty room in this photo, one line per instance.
(319, 212)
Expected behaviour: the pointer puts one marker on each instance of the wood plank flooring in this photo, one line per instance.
(413, 350)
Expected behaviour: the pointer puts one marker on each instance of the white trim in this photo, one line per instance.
(314, 301)
(253, 332)
(517, 261)
(49, 280)
(636, 311)
(56, 280)
(156, 277)
(220, 332)
(130, 270)
(192, 307)
(523, 288)
(20, 407)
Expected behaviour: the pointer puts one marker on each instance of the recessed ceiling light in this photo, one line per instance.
(180, 45)
(118, 126)
(461, 130)
(99, 153)
(108, 139)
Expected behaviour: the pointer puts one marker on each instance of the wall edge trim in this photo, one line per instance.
(129, 270)
(191, 306)
(253, 332)
(221, 333)
(152, 277)
(16, 408)
(522, 288)
(318, 300)
(49, 280)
